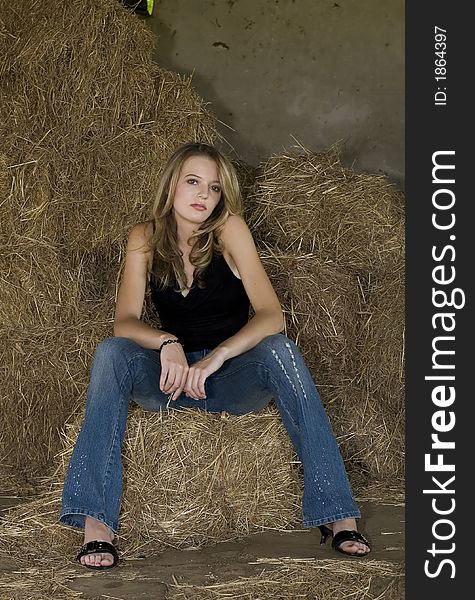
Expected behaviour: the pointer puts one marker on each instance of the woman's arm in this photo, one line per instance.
(129, 305)
(268, 318)
(131, 294)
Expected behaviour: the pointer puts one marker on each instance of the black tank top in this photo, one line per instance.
(205, 317)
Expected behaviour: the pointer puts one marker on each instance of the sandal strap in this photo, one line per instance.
(348, 536)
(95, 546)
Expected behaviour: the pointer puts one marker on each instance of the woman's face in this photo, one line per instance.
(198, 190)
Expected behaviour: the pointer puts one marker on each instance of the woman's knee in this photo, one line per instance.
(276, 348)
(112, 348)
(278, 342)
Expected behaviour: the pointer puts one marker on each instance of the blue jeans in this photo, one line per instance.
(123, 370)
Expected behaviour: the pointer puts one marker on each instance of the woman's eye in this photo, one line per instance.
(191, 181)
(216, 189)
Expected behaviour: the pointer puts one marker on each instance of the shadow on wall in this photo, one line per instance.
(321, 72)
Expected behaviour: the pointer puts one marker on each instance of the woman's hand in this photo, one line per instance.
(174, 370)
(200, 371)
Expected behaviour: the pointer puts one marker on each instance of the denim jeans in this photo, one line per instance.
(122, 371)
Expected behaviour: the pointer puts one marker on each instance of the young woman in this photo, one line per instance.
(199, 258)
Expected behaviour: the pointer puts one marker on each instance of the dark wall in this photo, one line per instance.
(319, 70)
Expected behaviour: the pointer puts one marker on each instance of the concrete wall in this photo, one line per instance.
(318, 70)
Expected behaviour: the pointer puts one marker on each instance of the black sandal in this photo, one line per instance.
(345, 535)
(96, 547)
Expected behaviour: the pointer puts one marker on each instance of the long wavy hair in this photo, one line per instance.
(168, 268)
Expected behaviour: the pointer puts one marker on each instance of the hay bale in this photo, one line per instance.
(383, 346)
(321, 304)
(86, 122)
(44, 370)
(380, 416)
(193, 478)
(4, 178)
(342, 297)
(350, 330)
(53, 310)
(309, 203)
(246, 175)
(80, 158)
(190, 478)
(45, 286)
(87, 109)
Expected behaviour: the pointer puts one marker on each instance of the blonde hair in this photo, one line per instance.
(168, 267)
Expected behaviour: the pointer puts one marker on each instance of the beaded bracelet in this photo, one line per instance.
(168, 342)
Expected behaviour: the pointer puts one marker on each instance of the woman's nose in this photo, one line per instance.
(203, 192)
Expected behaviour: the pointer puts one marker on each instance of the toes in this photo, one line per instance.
(355, 548)
(97, 560)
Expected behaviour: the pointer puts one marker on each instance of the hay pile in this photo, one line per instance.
(307, 579)
(321, 310)
(38, 584)
(190, 478)
(280, 578)
(194, 479)
(86, 121)
(332, 241)
(309, 203)
(379, 423)
(322, 306)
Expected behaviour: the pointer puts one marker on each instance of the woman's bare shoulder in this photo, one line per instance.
(139, 236)
(236, 234)
(145, 229)
(233, 229)
(140, 233)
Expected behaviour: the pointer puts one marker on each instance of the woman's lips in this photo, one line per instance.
(199, 206)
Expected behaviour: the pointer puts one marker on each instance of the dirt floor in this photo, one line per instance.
(224, 562)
